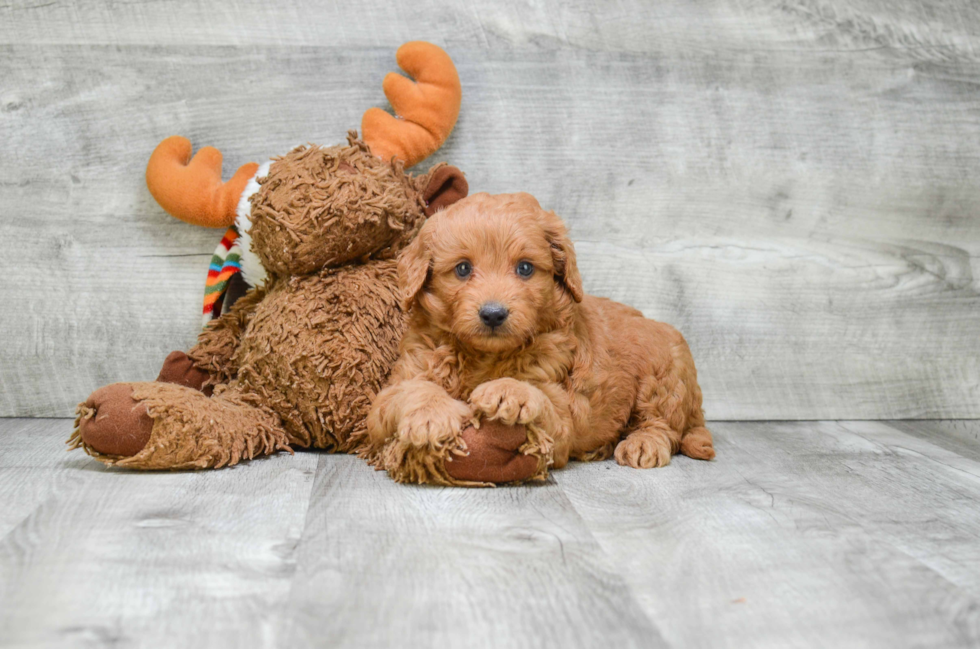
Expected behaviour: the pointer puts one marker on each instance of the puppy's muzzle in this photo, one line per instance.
(493, 314)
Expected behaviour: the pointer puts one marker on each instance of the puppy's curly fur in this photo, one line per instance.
(588, 377)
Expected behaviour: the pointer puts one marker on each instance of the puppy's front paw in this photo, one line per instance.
(425, 438)
(434, 426)
(509, 401)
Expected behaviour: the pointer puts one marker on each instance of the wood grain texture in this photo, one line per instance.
(800, 534)
(91, 556)
(790, 183)
(930, 30)
(961, 436)
(387, 565)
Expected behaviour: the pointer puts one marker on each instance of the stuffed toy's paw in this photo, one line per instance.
(111, 422)
(179, 368)
(493, 455)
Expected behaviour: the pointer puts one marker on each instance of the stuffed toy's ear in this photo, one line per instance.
(446, 186)
(426, 109)
(563, 256)
(413, 270)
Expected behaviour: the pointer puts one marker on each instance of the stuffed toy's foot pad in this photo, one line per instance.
(179, 368)
(116, 424)
(493, 454)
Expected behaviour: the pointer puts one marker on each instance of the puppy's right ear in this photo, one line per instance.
(413, 269)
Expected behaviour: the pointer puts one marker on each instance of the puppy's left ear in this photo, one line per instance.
(563, 256)
(445, 186)
(413, 269)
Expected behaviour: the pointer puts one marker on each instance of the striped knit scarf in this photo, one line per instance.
(225, 262)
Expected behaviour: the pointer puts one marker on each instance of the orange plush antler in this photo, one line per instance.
(426, 108)
(191, 189)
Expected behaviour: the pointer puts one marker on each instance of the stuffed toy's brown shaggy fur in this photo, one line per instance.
(501, 331)
(296, 361)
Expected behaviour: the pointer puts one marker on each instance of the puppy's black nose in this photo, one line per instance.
(493, 314)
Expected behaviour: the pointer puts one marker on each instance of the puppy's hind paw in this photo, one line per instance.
(697, 443)
(643, 450)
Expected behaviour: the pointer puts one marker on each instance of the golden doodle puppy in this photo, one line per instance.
(500, 332)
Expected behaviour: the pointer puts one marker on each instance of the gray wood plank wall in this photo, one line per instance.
(792, 183)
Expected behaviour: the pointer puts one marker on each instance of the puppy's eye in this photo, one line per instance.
(525, 268)
(463, 269)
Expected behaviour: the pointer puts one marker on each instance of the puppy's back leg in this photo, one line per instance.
(697, 443)
(654, 441)
(667, 418)
(657, 423)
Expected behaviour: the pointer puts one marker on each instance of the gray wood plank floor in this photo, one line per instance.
(804, 534)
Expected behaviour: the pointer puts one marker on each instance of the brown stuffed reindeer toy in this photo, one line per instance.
(296, 361)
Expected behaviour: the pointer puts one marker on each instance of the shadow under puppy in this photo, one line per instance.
(501, 331)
